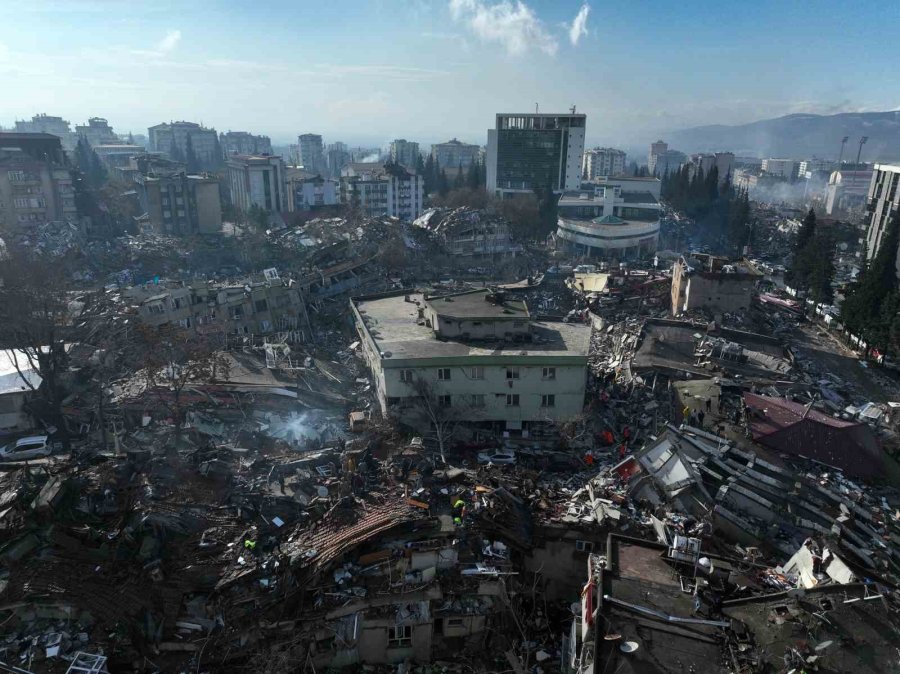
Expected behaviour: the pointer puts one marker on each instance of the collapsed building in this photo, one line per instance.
(470, 233)
(712, 283)
(683, 349)
(267, 305)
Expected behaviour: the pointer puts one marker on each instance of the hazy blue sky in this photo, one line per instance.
(428, 70)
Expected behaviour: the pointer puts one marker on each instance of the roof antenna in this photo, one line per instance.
(535, 108)
(573, 109)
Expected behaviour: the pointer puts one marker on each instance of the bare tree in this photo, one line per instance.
(440, 412)
(40, 316)
(173, 360)
(573, 430)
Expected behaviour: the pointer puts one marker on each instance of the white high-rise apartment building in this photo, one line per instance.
(883, 204)
(405, 152)
(383, 189)
(312, 153)
(602, 161)
(204, 141)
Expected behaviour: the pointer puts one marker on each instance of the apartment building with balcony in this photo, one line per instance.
(602, 161)
(55, 126)
(882, 205)
(405, 152)
(36, 184)
(383, 189)
(204, 141)
(242, 142)
(454, 153)
(96, 132)
(173, 202)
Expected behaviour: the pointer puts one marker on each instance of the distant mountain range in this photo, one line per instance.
(799, 136)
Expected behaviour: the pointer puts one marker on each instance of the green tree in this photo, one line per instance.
(191, 161)
(443, 185)
(459, 181)
(97, 174)
(821, 268)
(473, 179)
(218, 156)
(806, 232)
(428, 175)
(866, 311)
(83, 156)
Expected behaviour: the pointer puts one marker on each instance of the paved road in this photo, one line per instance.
(814, 342)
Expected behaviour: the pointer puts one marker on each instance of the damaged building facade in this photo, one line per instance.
(470, 233)
(259, 306)
(36, 183)
(712, 283)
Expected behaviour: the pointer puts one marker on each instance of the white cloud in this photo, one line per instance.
(169, 42)
(514, 25)
(578, 29)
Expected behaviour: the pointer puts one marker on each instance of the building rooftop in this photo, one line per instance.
(477, 304)
(588, 196)
(790, 427)
(253, 158)
(392, 323)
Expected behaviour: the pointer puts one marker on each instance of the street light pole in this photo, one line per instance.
(862, 141)
(841, 156)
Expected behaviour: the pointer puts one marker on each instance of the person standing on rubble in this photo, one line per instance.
(700, 417)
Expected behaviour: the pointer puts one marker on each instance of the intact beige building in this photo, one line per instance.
(477, 351)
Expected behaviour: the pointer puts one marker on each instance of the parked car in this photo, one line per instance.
(497, 456)
(32, 447)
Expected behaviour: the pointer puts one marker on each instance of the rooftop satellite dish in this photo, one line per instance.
(629, 647)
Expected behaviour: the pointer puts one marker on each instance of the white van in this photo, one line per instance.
(32, 447)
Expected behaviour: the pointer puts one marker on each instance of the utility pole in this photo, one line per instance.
(862, 141)
(843, 143)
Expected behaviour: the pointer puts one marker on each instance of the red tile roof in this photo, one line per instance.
(792, 428)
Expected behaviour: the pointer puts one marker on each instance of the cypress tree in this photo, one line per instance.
(193, 164)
